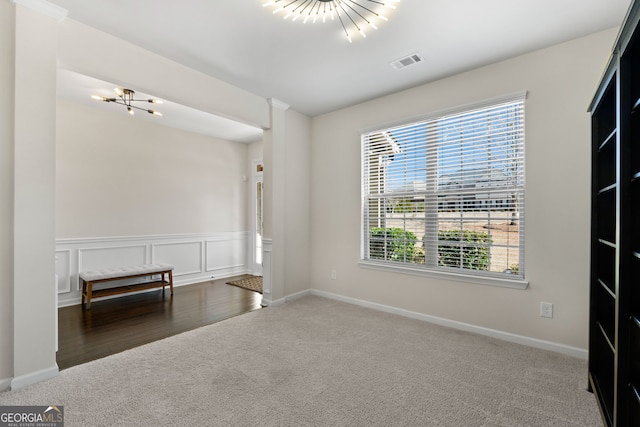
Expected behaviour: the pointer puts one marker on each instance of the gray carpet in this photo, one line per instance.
(317, 362)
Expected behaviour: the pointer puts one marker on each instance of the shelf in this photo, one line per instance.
(606, 215)
(127, 289)
(610, 137)
(606, 141)
(608, 243)
(607, 189)
(607, 289)
(634, 348)
(614, 318)
(606, 324)
(634, 404)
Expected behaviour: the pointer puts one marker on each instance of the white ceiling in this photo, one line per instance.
(314, 69)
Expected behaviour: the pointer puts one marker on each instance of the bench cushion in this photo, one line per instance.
(114, 273)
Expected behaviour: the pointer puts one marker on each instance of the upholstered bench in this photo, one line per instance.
(89, 278)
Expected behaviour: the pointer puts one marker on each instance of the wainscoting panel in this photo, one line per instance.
(111, 257)
(196, 257)
(226, 255)
(185, 256)
(267, 246)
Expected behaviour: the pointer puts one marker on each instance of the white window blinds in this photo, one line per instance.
(447, 193)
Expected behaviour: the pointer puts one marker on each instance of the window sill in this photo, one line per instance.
(515, 283)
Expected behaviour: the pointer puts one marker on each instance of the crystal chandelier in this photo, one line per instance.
(354, 15)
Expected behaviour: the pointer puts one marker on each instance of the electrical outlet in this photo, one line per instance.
(546, 309)
(334, 275)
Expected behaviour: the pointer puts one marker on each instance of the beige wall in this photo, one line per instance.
(30, 141)
(560, 81)
(7, 42)
(118, 176)
(297, 202)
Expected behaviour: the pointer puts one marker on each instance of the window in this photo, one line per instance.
(446, 194)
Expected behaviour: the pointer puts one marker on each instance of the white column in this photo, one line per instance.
(274, 206)
(34, 191)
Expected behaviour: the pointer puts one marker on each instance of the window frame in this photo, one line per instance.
(461, 275)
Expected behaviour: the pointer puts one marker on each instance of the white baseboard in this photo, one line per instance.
(266, 302)
(506, 336)
(34, 377)
(299, 295)
(5, 384)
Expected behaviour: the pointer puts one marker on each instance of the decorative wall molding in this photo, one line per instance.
(185, 250)
(267, 247)
(196, 257)
(277, 104)
(223, 254)
(46, 8)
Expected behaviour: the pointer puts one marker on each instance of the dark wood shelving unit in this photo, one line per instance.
(614, 325)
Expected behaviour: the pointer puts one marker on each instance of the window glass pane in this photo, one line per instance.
(448, 193)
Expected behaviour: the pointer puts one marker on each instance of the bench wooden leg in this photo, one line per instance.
(84, 291)
(89, 290)
(171, 281)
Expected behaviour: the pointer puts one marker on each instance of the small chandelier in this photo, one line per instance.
(352, 14)
(125, 97)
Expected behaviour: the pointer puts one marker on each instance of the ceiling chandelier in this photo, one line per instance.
(125, 97)
(352, 14)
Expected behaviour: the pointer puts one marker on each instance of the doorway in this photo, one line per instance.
(257, 217)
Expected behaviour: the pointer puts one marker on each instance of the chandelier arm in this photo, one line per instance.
(349, 16)
(141, 109)
(290, 3)
(343, 27)
(358, 13)
(317, 9)
(304, 2)
(365, 8)
(123, 102)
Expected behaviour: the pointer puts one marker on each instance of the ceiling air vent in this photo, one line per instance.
(401, 63)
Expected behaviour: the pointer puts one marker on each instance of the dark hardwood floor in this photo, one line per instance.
(118, 324)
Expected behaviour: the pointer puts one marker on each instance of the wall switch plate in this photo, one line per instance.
(546, 309)
(334, 275)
